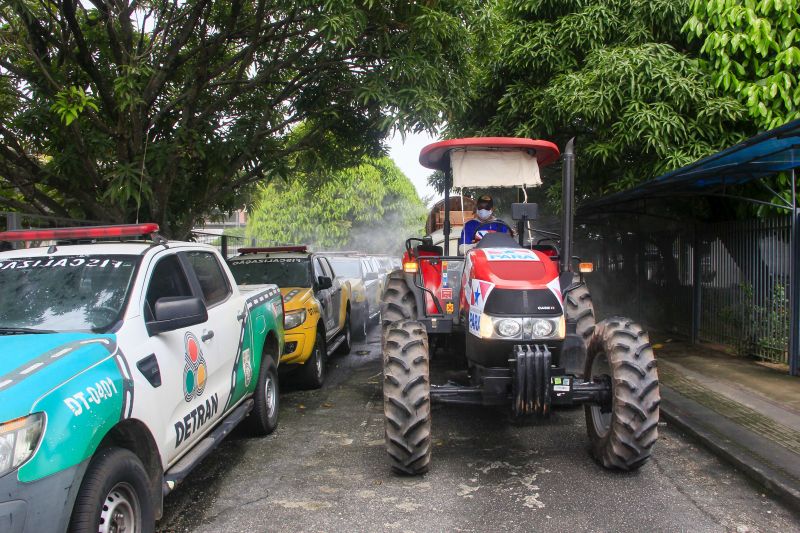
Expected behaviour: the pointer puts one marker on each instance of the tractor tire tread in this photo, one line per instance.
(578, 306)
(633, 430)
(406, 397)
(398, 302)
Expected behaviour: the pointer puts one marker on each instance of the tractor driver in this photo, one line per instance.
(484, 214)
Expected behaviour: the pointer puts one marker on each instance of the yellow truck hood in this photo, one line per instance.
(295, 297)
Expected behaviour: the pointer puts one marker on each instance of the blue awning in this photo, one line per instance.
(764, 155)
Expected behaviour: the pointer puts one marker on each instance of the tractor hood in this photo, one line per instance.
(512, 268)
(512, 281)
(33, 365)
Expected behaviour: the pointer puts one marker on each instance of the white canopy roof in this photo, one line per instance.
(494, 168)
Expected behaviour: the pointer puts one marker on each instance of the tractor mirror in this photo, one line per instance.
(527, 211)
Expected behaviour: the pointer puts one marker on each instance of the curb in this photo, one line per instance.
(763, 473)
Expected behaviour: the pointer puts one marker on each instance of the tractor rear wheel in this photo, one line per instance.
(398, 302)
(407, 397)
(579, 308)
(622, 434)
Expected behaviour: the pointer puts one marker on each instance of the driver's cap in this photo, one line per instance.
(486, 199)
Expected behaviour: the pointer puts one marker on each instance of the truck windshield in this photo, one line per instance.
(346, 267)
(282, 271)
(64, 293)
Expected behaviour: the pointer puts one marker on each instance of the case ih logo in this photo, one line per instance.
(195, 372)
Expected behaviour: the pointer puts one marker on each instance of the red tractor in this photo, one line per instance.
(519, 312)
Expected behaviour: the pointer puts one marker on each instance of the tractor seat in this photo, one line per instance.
(428, 249)
(498, 240)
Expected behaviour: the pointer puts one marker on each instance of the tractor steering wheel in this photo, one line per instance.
(476, 238)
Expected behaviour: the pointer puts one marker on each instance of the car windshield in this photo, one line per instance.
(282, 271)
(65, 293)
(346, 267)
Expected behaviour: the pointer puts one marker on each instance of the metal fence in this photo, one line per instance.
(724, 283)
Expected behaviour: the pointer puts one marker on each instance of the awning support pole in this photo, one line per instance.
(794, 285)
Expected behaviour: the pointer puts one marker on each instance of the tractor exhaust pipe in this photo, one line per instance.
(567, 206)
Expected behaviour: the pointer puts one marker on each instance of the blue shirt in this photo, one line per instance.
(468, 233)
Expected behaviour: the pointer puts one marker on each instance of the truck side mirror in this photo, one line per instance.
(524, 211)
(176, 312)
(324, 282)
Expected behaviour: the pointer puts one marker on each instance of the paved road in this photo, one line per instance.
(325, 470)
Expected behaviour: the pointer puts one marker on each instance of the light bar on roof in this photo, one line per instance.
(86, 232)
(269, 249)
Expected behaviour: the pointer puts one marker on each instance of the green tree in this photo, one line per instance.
(370, 207)
(182, 107)
(616, 74)
(753, 51)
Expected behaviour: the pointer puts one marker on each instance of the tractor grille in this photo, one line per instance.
(522, 302)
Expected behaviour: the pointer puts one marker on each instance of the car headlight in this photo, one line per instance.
(542, 328)
(508, 327)
(18, 440)
(292, 319)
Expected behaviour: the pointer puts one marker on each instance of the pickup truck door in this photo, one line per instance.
(177, 363)
(325, 299)
(336, 293)
(226, 320)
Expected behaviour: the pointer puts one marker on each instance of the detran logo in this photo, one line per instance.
(195, 372)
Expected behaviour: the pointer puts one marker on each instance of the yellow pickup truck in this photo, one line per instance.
(317, 309)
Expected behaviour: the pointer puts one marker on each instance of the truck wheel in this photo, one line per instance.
(579, 307)
(312, 372)
(622, 438)
(114, 495)
(263, 419)
(407, 397)
(345, 347)
(398, 302)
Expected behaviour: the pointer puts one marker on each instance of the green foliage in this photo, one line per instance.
(613, 73)
(753, 52)
(70, 103)
(186, 106)
(759, 329)
(370, 207)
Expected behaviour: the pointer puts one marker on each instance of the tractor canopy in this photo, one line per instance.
(490, 161)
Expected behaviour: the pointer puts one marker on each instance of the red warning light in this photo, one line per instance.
(87, 232)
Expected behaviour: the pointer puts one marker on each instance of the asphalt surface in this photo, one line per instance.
(325, 469)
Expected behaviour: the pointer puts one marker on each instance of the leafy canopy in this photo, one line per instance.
(186, 105)
(753, 51)
(613, 73)
(364, 207)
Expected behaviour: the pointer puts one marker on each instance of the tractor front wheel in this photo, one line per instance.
(407, 397)
(622, 432)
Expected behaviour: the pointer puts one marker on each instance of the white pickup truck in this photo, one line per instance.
(125, 360)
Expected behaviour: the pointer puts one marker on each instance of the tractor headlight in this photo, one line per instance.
(292, 319)
(542, 328)
(518, 328)
(18, 440)
(508, 327)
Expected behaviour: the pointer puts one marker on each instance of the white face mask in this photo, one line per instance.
(484, 213)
